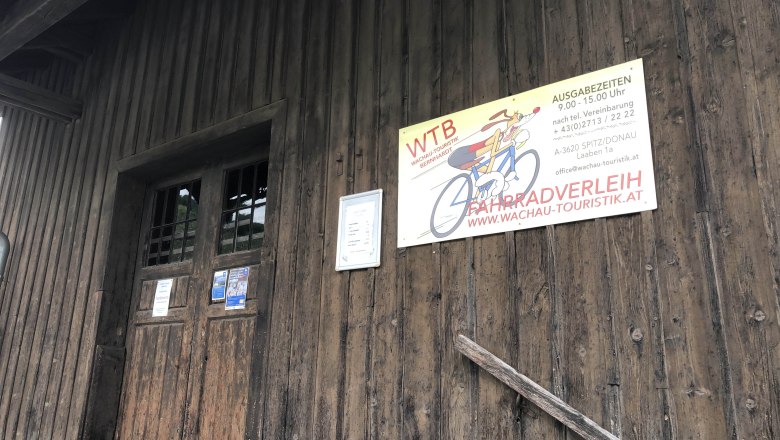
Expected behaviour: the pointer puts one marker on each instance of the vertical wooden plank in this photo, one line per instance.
(17, 264)
(638, 318)
(580, 294)
(458, 315)
(93, 194)
(210, 68)
(269, 46)
(172, 42)
(421, 287)
(258, 384)
(533, 262)
(743, 283)
(21, 132)
(194, 71)
(132, 383)
(71, 266)
(156, 377)
(363, 153)
(148, 11)
(22, 284)
(241, 88)
(601, 30)
(308, 289)
(57, 245)
(187, 30)
(334, 297)
(9, 117)
(133, 57)
(755, 25)
(695, 411)
(7, 198)
(30, 272)
(152, 83)
(276, 399)
(224, 392)
(385, 413)
(226, 63)
(493, 255)
(14, 128)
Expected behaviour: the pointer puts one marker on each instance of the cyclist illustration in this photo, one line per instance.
(490, 166)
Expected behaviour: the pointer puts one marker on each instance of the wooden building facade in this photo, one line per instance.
(657, 325)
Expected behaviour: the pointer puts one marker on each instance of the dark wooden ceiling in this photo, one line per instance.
(71, 38)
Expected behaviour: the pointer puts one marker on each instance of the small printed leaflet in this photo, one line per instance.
(237, 281)
(218, 285)
(162, 296)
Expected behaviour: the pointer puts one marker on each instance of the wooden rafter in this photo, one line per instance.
(30, 18)
(64, 41)
(38, 100)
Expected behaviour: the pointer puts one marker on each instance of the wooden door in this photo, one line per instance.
(187, 373)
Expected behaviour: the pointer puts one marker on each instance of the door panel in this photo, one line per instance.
(156, 383)
(226, 378)
(179, 293)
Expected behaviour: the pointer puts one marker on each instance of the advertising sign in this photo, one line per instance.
(235, 291)
(574, 150)
(218, 285)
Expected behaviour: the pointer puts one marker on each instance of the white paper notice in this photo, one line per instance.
(360, 229)
(359, 232)
(162, 296)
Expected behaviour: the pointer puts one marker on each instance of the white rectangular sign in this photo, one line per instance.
(574, 150)
(162, 296)
(359, 236)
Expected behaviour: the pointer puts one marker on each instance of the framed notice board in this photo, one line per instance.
(360, 231)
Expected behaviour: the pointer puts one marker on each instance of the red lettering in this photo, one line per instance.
(637, 179)
(560, 192)
(586, 186)
(433, 132)
(448, 128)
(612, 182)
(416, 145)
(573, 190)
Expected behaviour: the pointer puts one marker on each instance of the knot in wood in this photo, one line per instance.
(712, 106)
(728, 41)
(648, 267)
(750, 404)
(637, 335)
(759, 315)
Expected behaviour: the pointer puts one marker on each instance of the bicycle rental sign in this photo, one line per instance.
(573, 150)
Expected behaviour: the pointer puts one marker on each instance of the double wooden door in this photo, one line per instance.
(187, 373)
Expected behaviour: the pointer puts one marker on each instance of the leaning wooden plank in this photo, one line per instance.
(26, 96)
(530, 390)
(28, 19)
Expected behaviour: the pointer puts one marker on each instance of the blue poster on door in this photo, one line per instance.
(218, 285)
(237, 282)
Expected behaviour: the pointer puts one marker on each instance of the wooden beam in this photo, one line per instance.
(63, 41)
(38, 100)
(25, 61)
(103, 10)
(29, 18)
(557, 408)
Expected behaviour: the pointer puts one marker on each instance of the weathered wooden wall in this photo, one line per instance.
(657, 325)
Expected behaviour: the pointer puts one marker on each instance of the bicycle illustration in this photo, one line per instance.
(490, 166)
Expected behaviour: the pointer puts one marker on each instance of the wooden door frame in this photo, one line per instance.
(127, 180)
